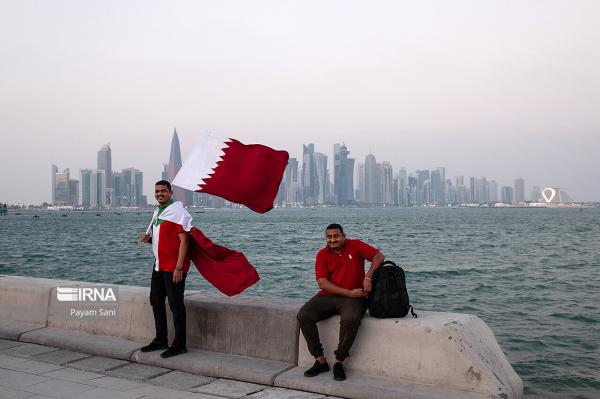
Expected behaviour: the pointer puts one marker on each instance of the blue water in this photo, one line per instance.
(533, 275)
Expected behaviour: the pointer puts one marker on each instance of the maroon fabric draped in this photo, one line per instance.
(227, 270)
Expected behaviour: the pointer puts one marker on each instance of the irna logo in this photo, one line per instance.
(82, 294)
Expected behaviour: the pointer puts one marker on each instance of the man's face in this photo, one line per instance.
(335, 238)
(162, 194)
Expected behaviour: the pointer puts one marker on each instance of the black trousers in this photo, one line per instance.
(162, 287)
(321, 307)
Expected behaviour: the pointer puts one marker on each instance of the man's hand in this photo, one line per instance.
(367, 285)
(357, 293)
(177, 276)
(145, 237)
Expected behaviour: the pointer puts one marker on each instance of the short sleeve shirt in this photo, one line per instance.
(347, 268)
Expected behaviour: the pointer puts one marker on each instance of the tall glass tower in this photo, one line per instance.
(180, 194)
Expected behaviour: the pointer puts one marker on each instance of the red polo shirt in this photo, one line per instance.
(347, 268)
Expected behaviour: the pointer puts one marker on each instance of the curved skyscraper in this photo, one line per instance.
(174, 166)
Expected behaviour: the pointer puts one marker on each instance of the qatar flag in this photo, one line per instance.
(248, 174)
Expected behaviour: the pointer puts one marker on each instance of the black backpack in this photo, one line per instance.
(389, 297)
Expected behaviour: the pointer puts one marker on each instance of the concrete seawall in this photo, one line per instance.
(438, 355)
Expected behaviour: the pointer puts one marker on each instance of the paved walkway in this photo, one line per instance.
(42, 372)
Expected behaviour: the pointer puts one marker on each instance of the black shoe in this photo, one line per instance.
(316, 369)
(153, 346)
(173, 351)
(338, 372)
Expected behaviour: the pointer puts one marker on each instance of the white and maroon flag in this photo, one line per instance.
(248, 174)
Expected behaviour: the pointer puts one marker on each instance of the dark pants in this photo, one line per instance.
(162, 287)
(322, 307)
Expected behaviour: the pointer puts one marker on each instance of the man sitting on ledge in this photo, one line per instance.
(340, 273)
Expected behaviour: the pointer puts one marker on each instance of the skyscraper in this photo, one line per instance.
(309, 175)
(437, 187)
(360, 182)
(506, 194)
(60, 187)
(387, 183)
(180, 194)
(105, 164)
(372, 181)
(423, 187)
(403, 189)
(54, 172)
(519, 190)
(493, 191)
(290, 180)
(133, 187)
(92, 188)
(322, 177)
(343, 175)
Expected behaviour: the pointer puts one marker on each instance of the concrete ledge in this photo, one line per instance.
(359, 387)
(13, 329)
(264, 328)
(215, 364)
(445, 350)
(257, 340)
(25, 299)
(133, 319)
(99, 345)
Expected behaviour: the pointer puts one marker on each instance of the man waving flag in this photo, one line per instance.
(247, 174)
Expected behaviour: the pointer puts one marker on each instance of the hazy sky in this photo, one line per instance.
(485, 88)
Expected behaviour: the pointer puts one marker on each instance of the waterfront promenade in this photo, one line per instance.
(42, 372)
(237, 347)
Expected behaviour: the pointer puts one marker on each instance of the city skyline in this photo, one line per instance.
(489, 88)
(313, 181)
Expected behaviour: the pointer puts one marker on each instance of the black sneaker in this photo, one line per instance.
(316, 369)
(338, 372)
(153, 346)
(173, 351)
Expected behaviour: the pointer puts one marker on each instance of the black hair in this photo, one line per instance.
(164, 183)
(335, 226)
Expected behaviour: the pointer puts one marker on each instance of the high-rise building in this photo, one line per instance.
(343, 175)
(423, 187)
(180, 194)
(105, 164)
(473, 192)
(506, 194)
(165, 172)
(403, 190)
(309, 175)
(291, 186)
(54, 172)
(387, 183)
(60, 187)
(413, 188)
(322, 177)
(133, 187)
(440, 192)
(73, 191)
(493, 189)
(360, 182)
(372, 181)
(92, 188)
(437, 187)
(519, 190)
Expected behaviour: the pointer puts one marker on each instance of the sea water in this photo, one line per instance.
(533, 275)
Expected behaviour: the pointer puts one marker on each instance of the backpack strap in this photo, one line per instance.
(412, 312)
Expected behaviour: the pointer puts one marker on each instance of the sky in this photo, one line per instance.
(499, 89)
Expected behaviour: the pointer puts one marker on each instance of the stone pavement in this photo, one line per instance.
(42, 372)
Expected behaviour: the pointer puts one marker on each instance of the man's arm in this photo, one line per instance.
(375, 263)
(184, 241)
(334, 289)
